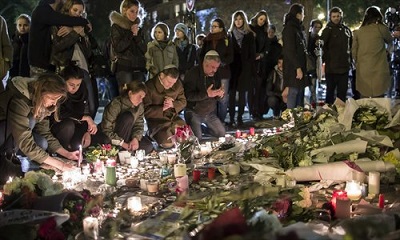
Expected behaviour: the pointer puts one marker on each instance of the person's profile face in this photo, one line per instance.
(131, 13)
(51, 99)
(136, 98)
(76, 10)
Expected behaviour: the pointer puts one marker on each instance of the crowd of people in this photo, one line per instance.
(50, 99)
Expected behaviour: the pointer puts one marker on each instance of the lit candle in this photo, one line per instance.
(134, 204)
(134, 162)
(238, 133)
(337, 194)
(374, 182)
(353, 190)
(381, 202)
(80, 156)
(233, 169)
(171, 158)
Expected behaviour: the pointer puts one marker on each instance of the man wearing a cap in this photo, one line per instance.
(203, 89)
(164, 100)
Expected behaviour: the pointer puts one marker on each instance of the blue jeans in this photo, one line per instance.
(295, 97)
(222, 105)
(212, 122)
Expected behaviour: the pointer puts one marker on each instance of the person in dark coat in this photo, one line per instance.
(294, 56)
(76, 125)
(185, 50)
(202, 90)
(20, 66)
(259, 24)
(242, 67)
(275, 88)
(44, 16)
(220, 41)
(337, 39)
(127, 40)
(164, 100)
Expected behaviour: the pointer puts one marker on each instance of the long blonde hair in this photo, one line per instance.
(45, 84)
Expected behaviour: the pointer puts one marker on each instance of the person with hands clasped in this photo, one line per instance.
(24, 110)
(123, 119)
(203, 88)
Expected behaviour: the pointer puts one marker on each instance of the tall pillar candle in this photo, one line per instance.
(374, 182)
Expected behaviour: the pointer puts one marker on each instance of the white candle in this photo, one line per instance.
(374, 182)
(353, 190)
(179, 169)
(134, 162)
(80, 156)
(171, 158)
(140, 154)
(134, 204)
(91, 228)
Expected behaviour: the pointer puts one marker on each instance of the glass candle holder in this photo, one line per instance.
(152, 186)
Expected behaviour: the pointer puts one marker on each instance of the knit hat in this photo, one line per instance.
(212, 53)
(169, 66)
(181, 27)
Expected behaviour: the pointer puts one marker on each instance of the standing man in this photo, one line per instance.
(165, 98)
(203, 89)
(44, 16)
(337, 39)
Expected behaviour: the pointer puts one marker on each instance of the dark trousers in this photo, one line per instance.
(338, 82)
(69, 133)
(232, 104)
(277, 105)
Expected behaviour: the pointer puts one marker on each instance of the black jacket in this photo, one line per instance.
(195, 85)
(20, 66)
(129, 49)
(337, 48)
(43, 18)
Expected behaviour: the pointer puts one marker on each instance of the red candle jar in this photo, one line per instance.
(196, 175)
(211, 173)
(238, 133)
(381, 202)
(252, 131)
(337, 194)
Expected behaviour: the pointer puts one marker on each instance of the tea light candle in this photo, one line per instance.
(179, 169)
(374, 181)
(171, 158)
(134, 162)
(163, 157)
(152, 186)
(353, 190)
(233, 169)
(91, 228)
(134, 203)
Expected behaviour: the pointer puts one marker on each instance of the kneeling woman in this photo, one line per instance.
(123, 119)
(24, 110)
(76, 125)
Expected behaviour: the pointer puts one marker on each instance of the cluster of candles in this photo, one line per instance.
(240, 134)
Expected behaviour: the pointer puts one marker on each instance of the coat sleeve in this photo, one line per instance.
(6, 47)
(111, 112)
(43, 128)
(152, 109)
(180, 101)
(138, 128)
(121, 40)
(290, 47)
(18, 115)
(60, 44)
(149, 57)
(354, 48)
(193, 92)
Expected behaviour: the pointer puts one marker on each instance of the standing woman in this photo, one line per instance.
(369, 53)
(185, 50)
(123, 119)
(294, 56)
(219, 41)
(259, 24)
(160, 51)
(20, 45)
(128, 43)
(242, 67)
(6, 51)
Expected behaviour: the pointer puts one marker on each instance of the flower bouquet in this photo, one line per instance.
(185, 142)
(102, 151)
